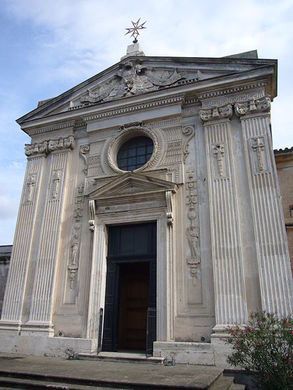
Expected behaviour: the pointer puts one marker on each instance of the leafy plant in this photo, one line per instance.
(264, 348)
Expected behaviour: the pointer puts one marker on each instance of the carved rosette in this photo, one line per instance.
(192, 231)
(253, 106)
(216, 113)
(46, 147)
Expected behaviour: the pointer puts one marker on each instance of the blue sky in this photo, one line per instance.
(49, 46)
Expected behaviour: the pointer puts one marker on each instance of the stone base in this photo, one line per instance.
(207, 354)
(45, 346)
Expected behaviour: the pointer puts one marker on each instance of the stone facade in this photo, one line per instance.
(5, 254)
(284, 162)
(210, 186)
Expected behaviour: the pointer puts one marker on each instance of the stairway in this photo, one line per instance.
(53, 373)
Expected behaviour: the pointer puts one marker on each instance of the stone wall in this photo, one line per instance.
(5, 254)
(284, 161)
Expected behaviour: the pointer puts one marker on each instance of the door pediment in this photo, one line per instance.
(132, 185)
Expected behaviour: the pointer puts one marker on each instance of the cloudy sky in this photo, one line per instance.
(49, 46)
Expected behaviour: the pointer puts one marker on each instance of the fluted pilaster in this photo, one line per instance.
(22, 246)
(230, 295)
(268, 221)
(41, 304)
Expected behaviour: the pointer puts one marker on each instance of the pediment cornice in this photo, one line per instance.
(131, 185)
(171, 83)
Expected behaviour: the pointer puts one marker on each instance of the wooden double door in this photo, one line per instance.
(130, 302)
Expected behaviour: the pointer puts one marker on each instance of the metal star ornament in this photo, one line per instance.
(134, 31)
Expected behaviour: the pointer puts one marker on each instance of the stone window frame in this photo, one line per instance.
(125, 136)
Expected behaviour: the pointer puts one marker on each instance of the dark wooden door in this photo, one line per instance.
(130, 288)
(133, 306)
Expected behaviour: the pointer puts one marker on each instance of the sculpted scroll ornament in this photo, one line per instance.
(188, 132)
(83, 152)
(192, 233)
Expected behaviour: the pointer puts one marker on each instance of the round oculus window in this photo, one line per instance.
(135, 153)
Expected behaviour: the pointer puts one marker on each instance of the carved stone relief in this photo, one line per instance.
(216, 113)
(55, 184)
(73, 263)
(30, 188)
(253, 106)
(258, 155)
(132, 78)
(84, 151)
(192, 230)
(218, 151)
(188, 132)
(45, 147)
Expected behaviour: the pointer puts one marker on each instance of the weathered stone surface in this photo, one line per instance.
(210, 185)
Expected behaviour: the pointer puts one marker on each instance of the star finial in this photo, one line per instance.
(134, 31)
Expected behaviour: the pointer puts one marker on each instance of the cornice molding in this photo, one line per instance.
(134, 108)
(232, 90)
(53, 127)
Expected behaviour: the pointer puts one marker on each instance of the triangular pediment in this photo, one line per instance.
(135, 76)
(132, 184)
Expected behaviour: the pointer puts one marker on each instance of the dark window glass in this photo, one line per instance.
(135, 153)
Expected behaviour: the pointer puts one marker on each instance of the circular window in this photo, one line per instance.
(135, 153)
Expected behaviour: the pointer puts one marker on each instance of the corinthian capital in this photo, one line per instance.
(216, 113)
(253, 106)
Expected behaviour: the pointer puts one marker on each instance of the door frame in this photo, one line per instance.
(111, 344)
(164, 266)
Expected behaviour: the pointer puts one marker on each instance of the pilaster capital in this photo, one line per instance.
(61, 144)
(45, 147)
(253, 106)
(35, 149)
(216, 113)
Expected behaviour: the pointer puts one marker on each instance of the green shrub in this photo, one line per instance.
(264, 349)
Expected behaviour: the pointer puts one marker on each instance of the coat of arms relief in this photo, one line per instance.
(132, 78)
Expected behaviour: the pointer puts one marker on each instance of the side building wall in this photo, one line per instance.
(284, 162)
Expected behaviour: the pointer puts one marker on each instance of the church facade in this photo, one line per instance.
(150, 218)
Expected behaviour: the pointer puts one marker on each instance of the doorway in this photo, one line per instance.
(130, 302)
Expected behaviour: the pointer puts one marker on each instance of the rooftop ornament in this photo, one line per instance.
(134, 31)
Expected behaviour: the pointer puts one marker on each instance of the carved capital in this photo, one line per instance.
(216, 113)
(61, 144)
(36, 149)
(45, 147)
(253, 106)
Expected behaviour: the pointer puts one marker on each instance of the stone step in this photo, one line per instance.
(122, 357)
(18, 380)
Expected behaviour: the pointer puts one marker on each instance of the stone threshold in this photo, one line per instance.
(127, 357)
